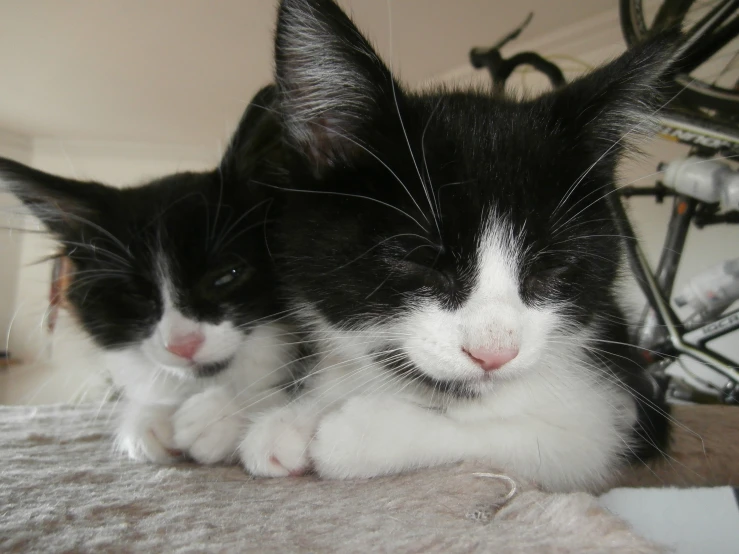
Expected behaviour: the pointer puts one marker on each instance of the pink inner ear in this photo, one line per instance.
(324, 142)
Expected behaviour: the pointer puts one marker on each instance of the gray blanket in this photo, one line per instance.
(63, 489)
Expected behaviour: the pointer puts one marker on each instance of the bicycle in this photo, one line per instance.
(703, 114)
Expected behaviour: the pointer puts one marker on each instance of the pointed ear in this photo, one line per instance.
(64, 205)
(257, 134)
(331, 82)
(615, 105)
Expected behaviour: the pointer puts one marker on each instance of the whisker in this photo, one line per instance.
(405, 133)
(348, 195)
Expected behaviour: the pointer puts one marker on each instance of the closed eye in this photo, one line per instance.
(430, 277)
(542, 280)
(139, 291)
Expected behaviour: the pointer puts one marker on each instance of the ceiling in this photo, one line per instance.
(181, 71)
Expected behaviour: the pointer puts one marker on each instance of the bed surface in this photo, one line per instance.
(62, 488)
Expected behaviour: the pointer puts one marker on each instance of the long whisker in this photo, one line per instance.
(405, 133)
(285, 189)
(426, 165)
(216, 244)
(363, 254)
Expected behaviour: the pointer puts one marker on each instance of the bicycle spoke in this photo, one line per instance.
(726, 68)
(710, 45)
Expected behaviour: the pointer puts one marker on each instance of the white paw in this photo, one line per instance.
(208, 426)
(276, 444)
(146, 435)
(362, 439)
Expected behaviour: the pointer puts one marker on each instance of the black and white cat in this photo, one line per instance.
(454, 258)
(173, 280)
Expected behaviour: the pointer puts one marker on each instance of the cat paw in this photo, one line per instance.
(276, 444)
(361, 439)
(146, 434)
(208, 426)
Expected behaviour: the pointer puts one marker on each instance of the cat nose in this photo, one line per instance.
(490, 359)
(186, 346)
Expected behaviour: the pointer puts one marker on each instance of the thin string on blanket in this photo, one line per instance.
(486, 514)
(501, 477)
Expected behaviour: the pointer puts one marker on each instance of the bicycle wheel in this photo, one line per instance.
(711, 80)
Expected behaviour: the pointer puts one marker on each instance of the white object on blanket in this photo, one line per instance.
(690, 521)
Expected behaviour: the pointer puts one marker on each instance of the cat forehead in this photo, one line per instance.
(180, 199)
(505, 154)
(185, 216)
(480, 126)
(483, 168)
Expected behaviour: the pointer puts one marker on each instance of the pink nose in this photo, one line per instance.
(186, 346)
(489, 360)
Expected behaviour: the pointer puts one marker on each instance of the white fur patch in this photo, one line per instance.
(145, 433)
(276, 445)
(209, 426)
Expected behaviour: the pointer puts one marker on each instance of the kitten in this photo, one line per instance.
(174, 282)
(454, 258)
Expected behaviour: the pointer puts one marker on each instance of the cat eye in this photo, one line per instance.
(541, 280)
(430, 277)
(138, 292)
(434, 278)
(556, 272)
(233, 276)
(226, 278)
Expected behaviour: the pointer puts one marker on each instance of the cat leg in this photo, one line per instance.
(145, 433)
(379, 435)
(276, 444)
(209, 425)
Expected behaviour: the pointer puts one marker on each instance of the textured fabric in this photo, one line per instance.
(62, 488)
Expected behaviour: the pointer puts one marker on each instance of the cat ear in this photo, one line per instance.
(618, 102)
(331, 82)
(64, 205)
(258, 133)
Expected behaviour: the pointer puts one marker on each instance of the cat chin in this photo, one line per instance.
(479, 385)
(211, 369)
(196, 370)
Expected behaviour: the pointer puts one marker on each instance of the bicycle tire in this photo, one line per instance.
(696, 94)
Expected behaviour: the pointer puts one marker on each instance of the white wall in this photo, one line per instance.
(17, 147)
(65, 366)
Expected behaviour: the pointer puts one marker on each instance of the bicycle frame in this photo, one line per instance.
(678, 340)
(699, 131)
